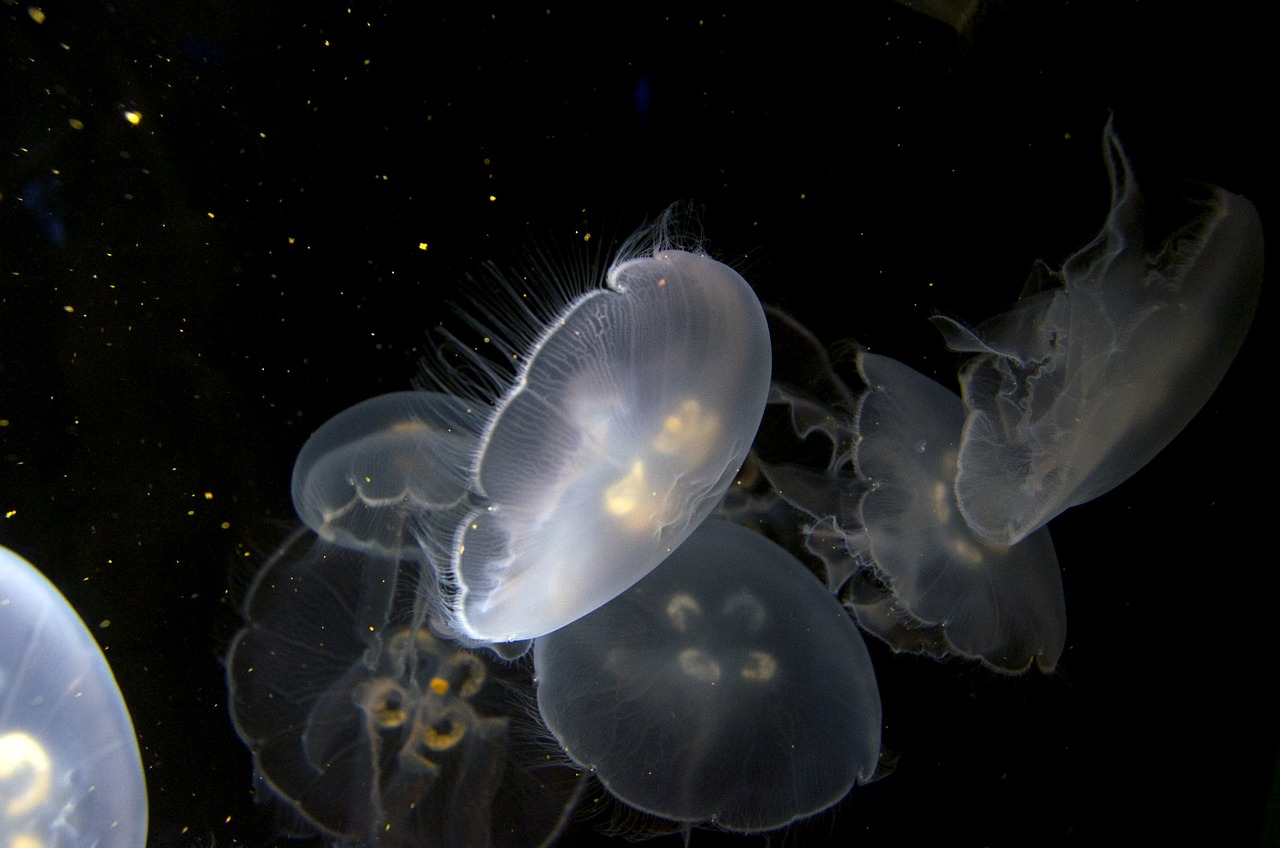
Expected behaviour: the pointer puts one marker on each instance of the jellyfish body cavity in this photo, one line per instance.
(1099, 366)
(625, 425)
(70, 774)
(727, 686)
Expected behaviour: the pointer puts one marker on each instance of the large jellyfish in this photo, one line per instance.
(631, 410)
(1098, 366)
(70, 774)
(728, 686)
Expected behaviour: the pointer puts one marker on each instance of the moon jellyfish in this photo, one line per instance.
(1098, 366)
(387, 471)
(628, 417)
(886, 522)
(1002, 604)
(727, 686)
(70, 774)
(373, 728)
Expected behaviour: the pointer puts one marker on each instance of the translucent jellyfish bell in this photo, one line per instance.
(727, 686)
(374, 729)
(885, 518)
(1002, 604)
(386, 471)
(1099, 366)
(626, 422)
(70, 774)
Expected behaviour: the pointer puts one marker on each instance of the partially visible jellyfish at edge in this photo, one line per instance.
(726, 687)
(70, 773)
(930, 514)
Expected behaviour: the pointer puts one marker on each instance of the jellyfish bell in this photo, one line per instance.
(629, 413)
(727, 686)
(389, 475)
(70, 773)
(1101, 365)
(1001, 604)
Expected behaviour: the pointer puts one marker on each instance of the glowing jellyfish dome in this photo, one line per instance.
(631, 411)
(728, 687)
(70, 774)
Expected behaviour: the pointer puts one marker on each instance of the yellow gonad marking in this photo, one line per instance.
(699, 666)
(690, 433)
(745, 608)
(942, 502)
(383, 701)
(762, 668)
(624, 500)
(680, 609)
(439, 685)
(23, 760)
(967, 552)
(444, 734)
(472, 674)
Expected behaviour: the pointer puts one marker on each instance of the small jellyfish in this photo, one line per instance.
(376, 730)
(628, 417)
(386, 471)
(70, 774)
(727, 686)
(1099, 366)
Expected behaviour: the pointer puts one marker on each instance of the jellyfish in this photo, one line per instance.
(1098, 366)
(372, 727)
(628, 416)
(1002, 604)
(387, 472)
(885, 522)
(727, 686)
(70, 774)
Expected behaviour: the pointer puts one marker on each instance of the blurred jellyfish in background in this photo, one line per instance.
(629, 414)
(728, 686)
(958, 14)
(930, 513)
(70, 774)
(1097, 367)
(372, 728)
(884, 519)
(1001, 604)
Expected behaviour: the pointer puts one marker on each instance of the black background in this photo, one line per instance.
(183, 300)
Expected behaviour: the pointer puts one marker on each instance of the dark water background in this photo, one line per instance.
(183, 300)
